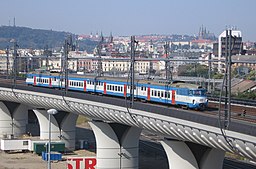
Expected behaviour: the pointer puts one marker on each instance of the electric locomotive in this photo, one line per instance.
(176, 93)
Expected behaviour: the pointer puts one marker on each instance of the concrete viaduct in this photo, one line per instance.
(117, 129)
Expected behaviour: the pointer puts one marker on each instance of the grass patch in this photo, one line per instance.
(81, 120)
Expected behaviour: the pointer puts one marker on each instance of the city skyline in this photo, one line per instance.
(132, 17)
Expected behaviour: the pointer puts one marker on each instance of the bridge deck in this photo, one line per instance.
(190, 115)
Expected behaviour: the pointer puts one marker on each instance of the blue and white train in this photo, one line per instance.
(178, 93)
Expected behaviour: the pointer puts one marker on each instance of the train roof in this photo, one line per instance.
(178, 84)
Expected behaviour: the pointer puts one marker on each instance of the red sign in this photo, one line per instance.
(81, 163)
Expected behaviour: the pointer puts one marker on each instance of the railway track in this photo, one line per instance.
(245, 113)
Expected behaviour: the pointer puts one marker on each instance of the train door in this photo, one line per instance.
(50, 82)
(84, 85)
(125, 90)
(148, 94)
(105, 88)
(35, 80)
(173, 96)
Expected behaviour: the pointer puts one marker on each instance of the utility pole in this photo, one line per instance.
(67, 45)
(150, 62)
(227, 80)
(47, 57)
(132, 77)
(229, 76)
(209, 72)
(99, 48)
(7, 62)
(15, 63)
(167, 63)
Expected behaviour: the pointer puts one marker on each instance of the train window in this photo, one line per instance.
(152, 92)
(142, 88)
(158, 93)
(115, 88)
(107, 87)
(155, 93)
(169, 95)
(162, 94)
(119, 88)
(198, 92)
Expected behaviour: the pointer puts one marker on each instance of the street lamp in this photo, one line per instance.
(50, 112)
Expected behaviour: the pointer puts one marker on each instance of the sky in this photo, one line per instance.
(132, 17)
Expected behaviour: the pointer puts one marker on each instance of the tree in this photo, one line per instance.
(193, 70)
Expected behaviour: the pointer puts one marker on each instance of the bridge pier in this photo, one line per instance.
(117, 145)
(13, 118)
(183, 156)
(62, 127)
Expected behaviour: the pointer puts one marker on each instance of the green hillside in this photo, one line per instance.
(31, 38)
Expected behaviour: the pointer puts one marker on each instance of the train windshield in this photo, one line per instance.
(197, 92)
